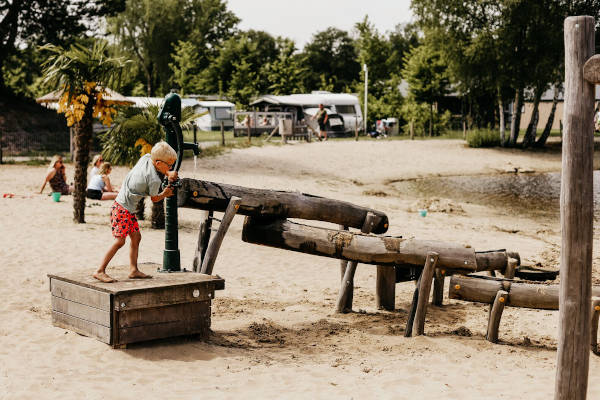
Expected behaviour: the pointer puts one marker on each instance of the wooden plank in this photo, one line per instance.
(495, 315)
(215, 244)
(351, 246)
(81, 311)
(198, 326)
(576, 213)
(424, 291)
(385, 288)
(163, 297)
(343, 266)
(86, 328)
(80, 294)
(160, 315)
(263, 203)
(84, 278)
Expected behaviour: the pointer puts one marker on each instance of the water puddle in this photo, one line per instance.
(528, 194)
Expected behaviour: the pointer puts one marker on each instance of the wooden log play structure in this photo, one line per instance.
(212, 196)
(501, 293)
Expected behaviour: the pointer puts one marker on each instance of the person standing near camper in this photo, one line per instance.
(321, 117)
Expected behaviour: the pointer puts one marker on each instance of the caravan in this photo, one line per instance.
(345, 115)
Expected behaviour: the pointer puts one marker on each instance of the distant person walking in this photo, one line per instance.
(321, 117)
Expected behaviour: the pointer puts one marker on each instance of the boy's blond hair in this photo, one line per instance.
(104, 168)
(162, 151)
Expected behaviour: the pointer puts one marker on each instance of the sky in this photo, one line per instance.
(300, 19)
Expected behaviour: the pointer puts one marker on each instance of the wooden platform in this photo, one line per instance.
(134, 310)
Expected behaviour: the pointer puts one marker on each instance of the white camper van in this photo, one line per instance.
(344, 106)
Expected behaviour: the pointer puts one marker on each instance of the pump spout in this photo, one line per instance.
(192, 146)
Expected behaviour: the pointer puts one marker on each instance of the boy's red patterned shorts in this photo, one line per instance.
(122, 221)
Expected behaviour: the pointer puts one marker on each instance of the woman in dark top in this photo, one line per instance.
(56, 177)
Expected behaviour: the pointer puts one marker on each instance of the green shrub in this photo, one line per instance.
(483, 138)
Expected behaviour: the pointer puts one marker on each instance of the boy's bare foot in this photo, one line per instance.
(137, 274)
(103, 277)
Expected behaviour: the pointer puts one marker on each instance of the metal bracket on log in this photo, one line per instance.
(213, 248)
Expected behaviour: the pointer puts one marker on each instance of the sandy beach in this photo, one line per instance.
(275, 332)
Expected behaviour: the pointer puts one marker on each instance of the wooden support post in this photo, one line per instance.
(511, 268)
(222, 133)
(424, 290)
(576, 213)
(215, 244)
(343, 266)
(385, 288)
(438, 287)
(594, 323)
(495, 315)
(203, 239)
(347, 287)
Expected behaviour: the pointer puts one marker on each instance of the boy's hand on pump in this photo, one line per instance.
(172, 176)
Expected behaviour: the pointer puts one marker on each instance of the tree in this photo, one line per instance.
(241, 66)
(185, 66)
(33, 22)
(286, 74)
(427, 77)
(331, 53)
(373, 50)
(149, 30)
(83, 74)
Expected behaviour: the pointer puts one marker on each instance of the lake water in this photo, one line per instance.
(530, 194)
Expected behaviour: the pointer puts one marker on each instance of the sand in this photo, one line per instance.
(275, 333)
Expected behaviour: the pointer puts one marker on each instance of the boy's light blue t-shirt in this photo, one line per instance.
(141, 181)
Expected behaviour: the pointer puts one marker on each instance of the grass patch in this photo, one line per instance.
(483, 138)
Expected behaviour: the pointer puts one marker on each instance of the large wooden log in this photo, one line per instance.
(367, 249)
(576, 213)
(522, 294)
(205, 195)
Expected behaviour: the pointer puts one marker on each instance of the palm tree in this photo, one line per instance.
(133, 135)
(82, 74)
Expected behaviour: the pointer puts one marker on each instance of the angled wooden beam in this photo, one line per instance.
(495, 315)
(424, 290)
(203, 240)
(215, 244)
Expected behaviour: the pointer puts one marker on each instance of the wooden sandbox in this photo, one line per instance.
(134, 310)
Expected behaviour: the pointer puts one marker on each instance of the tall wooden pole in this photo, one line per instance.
(576, 214)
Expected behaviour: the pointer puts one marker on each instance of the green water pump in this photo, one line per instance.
(169, 116)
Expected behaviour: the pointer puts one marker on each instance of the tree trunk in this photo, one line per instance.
(83, 139)
(541, 142)
(139, 213)
(502, 122)
(158, 215)
(515, 123)
(531, 131)
(431, 120)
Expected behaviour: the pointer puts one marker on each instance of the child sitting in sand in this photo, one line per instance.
(100, 187)
(143, 180)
